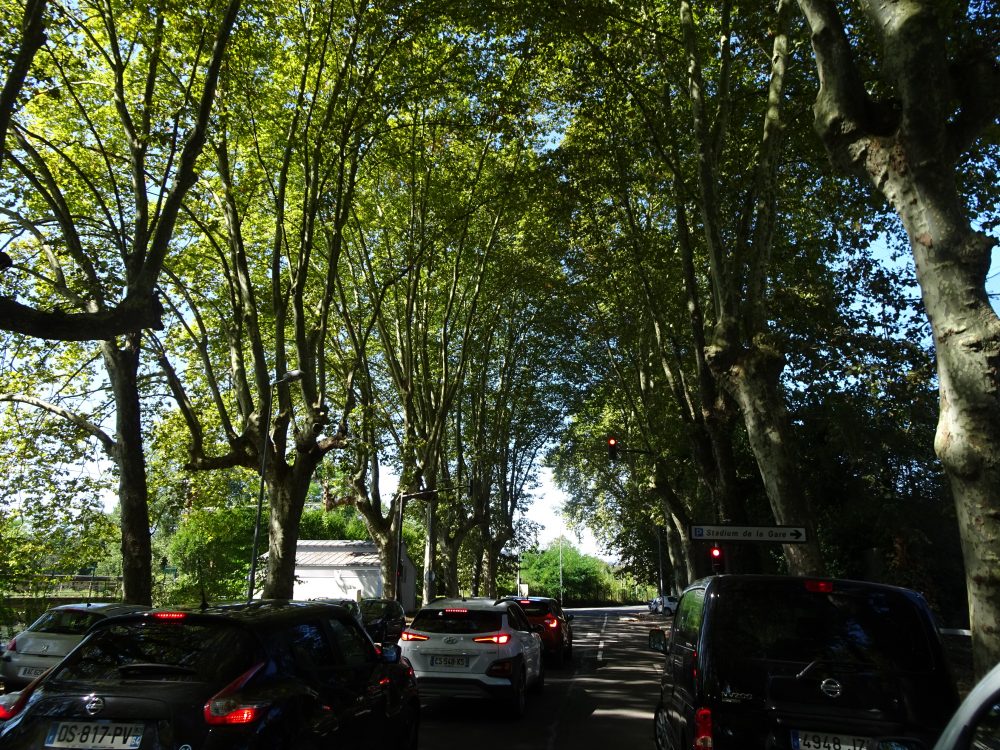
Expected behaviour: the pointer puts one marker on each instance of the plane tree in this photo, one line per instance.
(908, 102)
(100, 151)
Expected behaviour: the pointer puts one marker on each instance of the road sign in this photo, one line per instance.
(725, 533)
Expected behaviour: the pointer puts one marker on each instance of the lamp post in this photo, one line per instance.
(265, 428)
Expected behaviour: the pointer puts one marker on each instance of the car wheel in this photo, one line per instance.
(661, 730)
(539, 684)
(408, 726)
(518, 698)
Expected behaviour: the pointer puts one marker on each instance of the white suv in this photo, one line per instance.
(475, 648)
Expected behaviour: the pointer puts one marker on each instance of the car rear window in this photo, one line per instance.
(457, 621)
(155, 650)
(534, 609)
(65, 621)
(374, 609)
(848, 626)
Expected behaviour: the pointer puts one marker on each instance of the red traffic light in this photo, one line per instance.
(716, 553)
(613, 448)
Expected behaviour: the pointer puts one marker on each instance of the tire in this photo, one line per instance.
(408, 734)
(518, 695)
(539, 684)
(661, 730)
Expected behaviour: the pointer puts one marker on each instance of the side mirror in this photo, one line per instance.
(658, 640)
(391, 653)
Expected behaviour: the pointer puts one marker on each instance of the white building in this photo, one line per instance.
(347, 569)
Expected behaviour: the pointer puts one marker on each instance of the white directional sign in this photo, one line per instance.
(724, 533)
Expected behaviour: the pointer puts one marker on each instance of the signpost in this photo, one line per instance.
(725, 533)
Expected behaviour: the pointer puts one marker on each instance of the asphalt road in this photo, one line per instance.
(603, 699)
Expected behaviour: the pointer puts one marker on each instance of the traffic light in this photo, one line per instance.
(613, 448)
(716, 555)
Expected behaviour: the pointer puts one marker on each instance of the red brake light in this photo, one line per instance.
(9, 712)
(498, 638)
(820, 587)
(551, 622)
(170, 615)
(524, 601)
(225, 707)
(703, 728)
(409, 635)
(457, 611)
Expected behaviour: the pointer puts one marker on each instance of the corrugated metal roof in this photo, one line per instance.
(336, 553)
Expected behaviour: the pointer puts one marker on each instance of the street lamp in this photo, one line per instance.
(265, 424)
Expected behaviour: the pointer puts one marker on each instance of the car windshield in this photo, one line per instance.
(855, 627)
(150, 649)
(374, 609)
(456, 620)
(65, 621)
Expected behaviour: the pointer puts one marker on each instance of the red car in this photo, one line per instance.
(557, 634)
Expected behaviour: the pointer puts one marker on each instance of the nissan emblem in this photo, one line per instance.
(831, 688)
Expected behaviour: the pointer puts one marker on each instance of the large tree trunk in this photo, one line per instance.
(752, 378)
(288, 487)
(123, 367)
(908, 149)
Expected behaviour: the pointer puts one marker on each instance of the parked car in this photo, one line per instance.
(976, 723)
(474, 648)
(783, 663)
(264, 675)
(351, 605)
(49, 638)
(384, 619)
(663, 605)
(557, 630)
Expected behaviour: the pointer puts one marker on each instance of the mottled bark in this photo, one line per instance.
(908, 149)
(133, 495)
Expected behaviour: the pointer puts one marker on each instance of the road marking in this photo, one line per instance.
(600, 644)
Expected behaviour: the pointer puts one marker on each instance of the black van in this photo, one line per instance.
(758, 662)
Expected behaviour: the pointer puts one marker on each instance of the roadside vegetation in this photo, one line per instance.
(294, 250)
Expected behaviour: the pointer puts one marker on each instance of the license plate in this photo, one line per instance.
(94, 735)
(449, 661)
(825, 741)
(31, 671)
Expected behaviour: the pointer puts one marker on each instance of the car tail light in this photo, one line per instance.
(551, 622)
(225, 707)
(498, 638)
(170, 615)
(819, 587)
(409, 635)
(457, 611)
(9, 712)
(702, 728)
(11, 645)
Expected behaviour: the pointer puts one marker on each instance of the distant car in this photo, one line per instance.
(976, 723)
(351, 605)
(49, 638)
(663, 605)
(384, 619)
(557, 630)
(755, 661)
(264, 675)
(475, 648)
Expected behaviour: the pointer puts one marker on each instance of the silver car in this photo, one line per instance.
(49, 638)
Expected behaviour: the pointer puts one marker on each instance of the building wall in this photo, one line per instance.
(335, 583)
